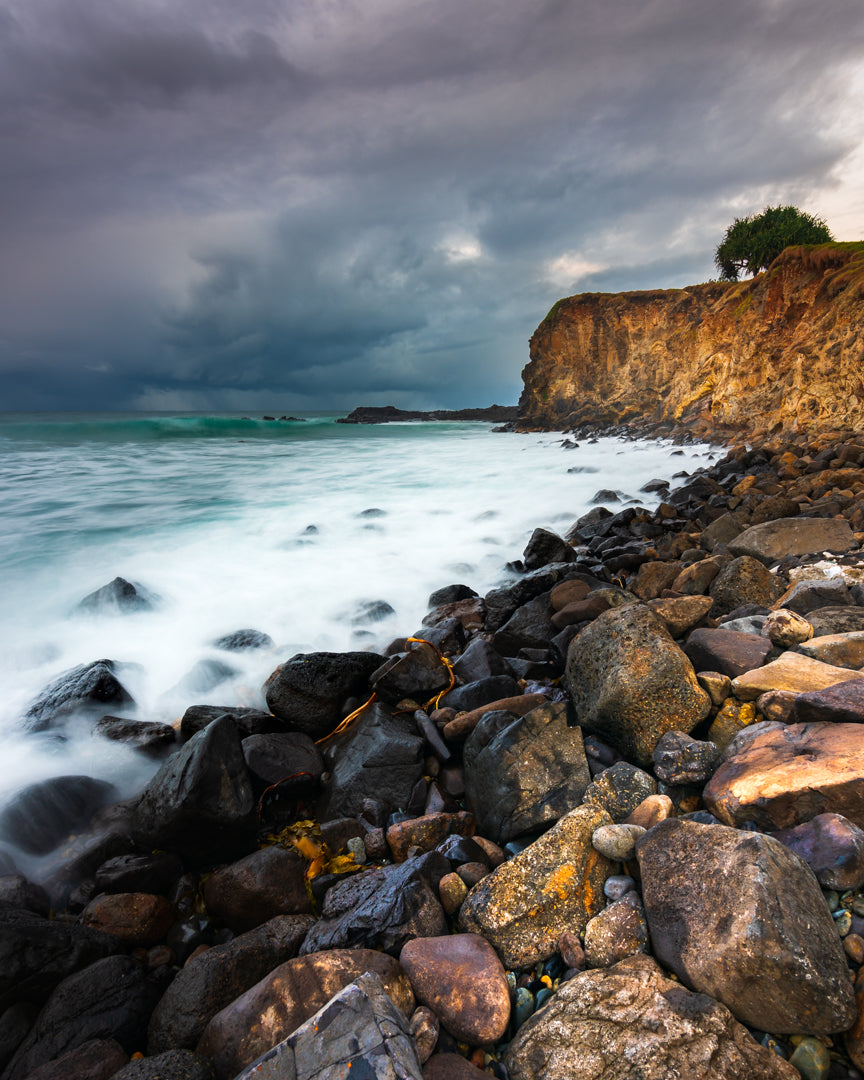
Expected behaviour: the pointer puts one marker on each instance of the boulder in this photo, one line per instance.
(681, 613)
(98, 1059)
(617, 932)
(836, 620)
(204, 675)
(172, 1065)
(785, 629)
(842, 703)
(285, 999)
(426, 832)
(630, 682)
(450, 1066)
(500, 603)
(841, 650)
(145, 735)
(738, 916)
(553, 885)
(831, 846)
(631, 1021)
(654, 578)
(119, 597)
(695, 579)
(309, 691)
(546, 547)
(40, 816)
(17, 893)
(358, 1030)
(620, 789)
(138, 873)
(257, 888)
(793, 672)
(272, 757)
(247, 721)
(379, 757)
(460, 727)
(135, 919)
(213, 979)
(726, 651)
(240, 640)
(418, 674)
(200, 803)
(678, 759)
(450, 594)
(785, 775)
(482, 692)
(479, 661)
(806, 596)
(83, 689)
(744, 581)
(461, 979)
(774, 540)
(382, 908)
(523, 772)
(111, 999)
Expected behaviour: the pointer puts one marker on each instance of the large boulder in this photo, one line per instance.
(382, 908)
(783, 776)
(271, 758)
(119, 597)
(111, 999)
(84, 689)
(258, 887)
(309, 691)
(286, 998)
(523, 772)
(630, 682)
(377, 758)
(740, 917)
(841, 703)
(727, 651)
(211, 981)
(418, 673)
(358, 1033)
(529, 627)
(773, 540)
(831, 846)
(630, 1021)
(744, 581)
(553, 885)
(40, 816)
(200, 803)
(793, 672)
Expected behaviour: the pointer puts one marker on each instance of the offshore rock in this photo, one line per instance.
(87, 688)
(738, 916)
(521, 773)
(630, 682)
(119, 597)
(553, 885)
(631, 1021)
(287, 997)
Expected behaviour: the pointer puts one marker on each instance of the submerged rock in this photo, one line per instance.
(119, 597)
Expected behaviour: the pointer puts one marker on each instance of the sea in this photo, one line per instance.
(290, 527)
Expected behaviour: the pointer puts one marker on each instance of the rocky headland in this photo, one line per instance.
(388, 414)
(780, 353)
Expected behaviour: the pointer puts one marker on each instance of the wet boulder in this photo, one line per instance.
(119, 597)
(546, 547)
(172, 1065)
(419, 673)
(773, 540)
(833, 848)
(135, 919)
(247, 721)
(309, 691)
(630, 683)
(531, 626)
(98, 1059)
(258, 887)
(523, 772)
(241, 640)
(479, 661)
(620, 789)
(138, 873)
(84, 689)
(738, 916)
(149, 737)
(744, 581)
(200, 803)
(481, 692)
(271, 758)
(43, 814)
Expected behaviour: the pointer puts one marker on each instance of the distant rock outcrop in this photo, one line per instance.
(386, 414)
(780, 352)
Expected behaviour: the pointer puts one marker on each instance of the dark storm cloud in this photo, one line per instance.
(226, 205)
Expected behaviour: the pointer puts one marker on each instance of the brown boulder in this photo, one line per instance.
(681, 613)
(726, 651)
(790, 671)
(744, 581)
(695, 579)
(654, 578)
(738, 916)
(841, 650)
(630, 1021)
(773, 540)
(275, 1007)
(553, 885)
(841, 703)
(630, 682)
(424, 833)
(462, 980)
(134, 918)
(264, 884)
(617, 932)
(786, 775)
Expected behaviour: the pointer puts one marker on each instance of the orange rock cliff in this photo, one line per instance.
(782, 352)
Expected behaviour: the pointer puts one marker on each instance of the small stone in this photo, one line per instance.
(719, 686)
(425, 1028)
(617, 932)
(843, 922)
(616, 841)
(811, 1059)
(651, 811)
(853, 946)
(357, 848)
(678, 759)
(452, 891)
(572, 953)
(787, 629)
(523, 1007)
(618, 885)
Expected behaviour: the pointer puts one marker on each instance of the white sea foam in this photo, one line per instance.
(217, 526)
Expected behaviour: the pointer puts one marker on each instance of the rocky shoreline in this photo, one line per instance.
(606, 821)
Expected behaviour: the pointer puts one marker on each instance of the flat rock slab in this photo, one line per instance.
(631, 1021)
(773, 540)
(740, 917)
(787, 775)
(841, 650)
(553, 885)
(358, 1033)
(842, 703)
(461, 979)
(727, 651)
(278, 1005)
(793, 672)
(630, 682)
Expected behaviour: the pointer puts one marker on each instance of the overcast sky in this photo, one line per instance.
(301, 204)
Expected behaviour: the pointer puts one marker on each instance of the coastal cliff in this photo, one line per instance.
(782, 352)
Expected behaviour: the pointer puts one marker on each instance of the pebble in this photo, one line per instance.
(452, 891)
(523, 1006)
(811, 1059)
(854, 946)
(358, 849)
(617, 842)
(617, 885)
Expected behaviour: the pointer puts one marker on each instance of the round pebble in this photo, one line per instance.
(811, 1059)
(843, 922)
(617, 842)
(616, 886)
(523, 1007)
(452, 890)
(854, 946)
(358, 849)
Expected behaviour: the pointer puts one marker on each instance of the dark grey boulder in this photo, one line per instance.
(807, 596)
(382, 908)
(546, 547)
(271, 758)
(678, 759)
(111, 999)
(449, 594)
(479, 661)
(258, 887)
(15, 1022)
(379, 757)
(83, 689)
(37, 953)
(358, 1033)
(833, 848)
(77, 860)
(138, 873)
(727, 651)
(17, 893)
(149, 737)
(172, 1065)
(215, 978)
(481, 692)
(619, 790)
(522, 773)
(529, 627)
(248, 721)
(119, 597)
(200, 803)
(502, 602)
(43, 814)
(309, 691)
(240, 640)
(98, 1059)
(418, 673)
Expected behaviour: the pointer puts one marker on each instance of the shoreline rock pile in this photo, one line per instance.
(606, 821)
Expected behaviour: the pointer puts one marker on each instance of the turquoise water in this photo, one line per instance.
(240, 523)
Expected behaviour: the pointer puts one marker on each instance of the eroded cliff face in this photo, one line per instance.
(782, 352)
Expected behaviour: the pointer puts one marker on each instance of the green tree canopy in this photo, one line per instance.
(752, 243)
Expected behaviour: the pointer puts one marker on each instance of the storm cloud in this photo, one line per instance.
(323, 203)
